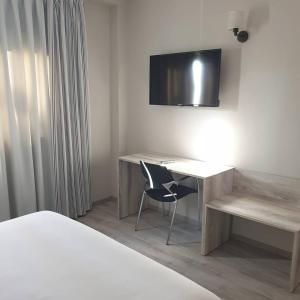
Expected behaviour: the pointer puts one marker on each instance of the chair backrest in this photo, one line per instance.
(156, 175)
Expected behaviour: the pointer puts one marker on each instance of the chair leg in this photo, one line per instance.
(140, 211)
(171, 225)
(163, 209)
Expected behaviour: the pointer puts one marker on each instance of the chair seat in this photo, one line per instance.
(163, 195)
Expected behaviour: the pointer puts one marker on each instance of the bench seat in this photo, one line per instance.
(266, 210)
(278, 214)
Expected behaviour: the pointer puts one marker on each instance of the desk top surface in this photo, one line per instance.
(189, 167)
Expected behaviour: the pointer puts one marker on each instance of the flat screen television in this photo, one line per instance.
(186, 79)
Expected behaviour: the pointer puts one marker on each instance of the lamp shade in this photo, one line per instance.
(235, 19)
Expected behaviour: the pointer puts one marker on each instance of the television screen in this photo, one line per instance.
(185, 79)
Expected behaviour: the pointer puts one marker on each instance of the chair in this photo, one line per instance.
(161, 186)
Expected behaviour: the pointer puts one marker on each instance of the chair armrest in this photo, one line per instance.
(176, 182)
(183, 178)
(168, 186)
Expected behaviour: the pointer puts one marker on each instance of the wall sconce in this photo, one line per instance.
(235, 22)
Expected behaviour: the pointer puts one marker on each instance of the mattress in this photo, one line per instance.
(48, 256)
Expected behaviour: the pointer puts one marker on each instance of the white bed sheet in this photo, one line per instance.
(48, 256)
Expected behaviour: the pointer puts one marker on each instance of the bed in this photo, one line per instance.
(48, 256)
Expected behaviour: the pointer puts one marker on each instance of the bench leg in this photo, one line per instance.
(295, 268)
(216, 229)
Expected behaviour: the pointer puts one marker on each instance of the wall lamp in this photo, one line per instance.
(235, 22)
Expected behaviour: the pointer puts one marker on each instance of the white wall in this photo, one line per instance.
(118, 89)
(98, 24)
(257, 125)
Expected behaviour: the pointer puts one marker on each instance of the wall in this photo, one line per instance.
(257, 125)
(98, 24)
(118, 87)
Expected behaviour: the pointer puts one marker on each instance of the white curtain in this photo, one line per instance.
(44, 130)
(24, 109)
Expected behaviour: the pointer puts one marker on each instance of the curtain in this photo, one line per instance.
(24, 105)
(70, 111)
(44, 128)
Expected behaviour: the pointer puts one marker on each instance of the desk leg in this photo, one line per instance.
(123, 194)
(131, 187)
(216, 230)
(295, 267)
(199, 202)
(216, 226)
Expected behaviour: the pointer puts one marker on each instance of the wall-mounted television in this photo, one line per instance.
(186, 79)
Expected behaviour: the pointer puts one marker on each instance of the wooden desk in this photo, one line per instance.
(212, 181)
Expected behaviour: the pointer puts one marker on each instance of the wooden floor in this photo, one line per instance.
(234, 271)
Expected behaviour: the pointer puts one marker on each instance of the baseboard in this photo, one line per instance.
(271, 249)
(104, 200)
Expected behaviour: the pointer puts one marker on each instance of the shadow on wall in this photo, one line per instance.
(258, 17)
(230, 78)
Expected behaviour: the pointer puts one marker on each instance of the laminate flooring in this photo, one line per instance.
(235, 271)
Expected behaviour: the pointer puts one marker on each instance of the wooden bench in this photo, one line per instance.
(263, 198)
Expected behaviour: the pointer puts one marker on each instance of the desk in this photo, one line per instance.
(215, 181)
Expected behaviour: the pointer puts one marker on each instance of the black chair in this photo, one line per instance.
(161, 186)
